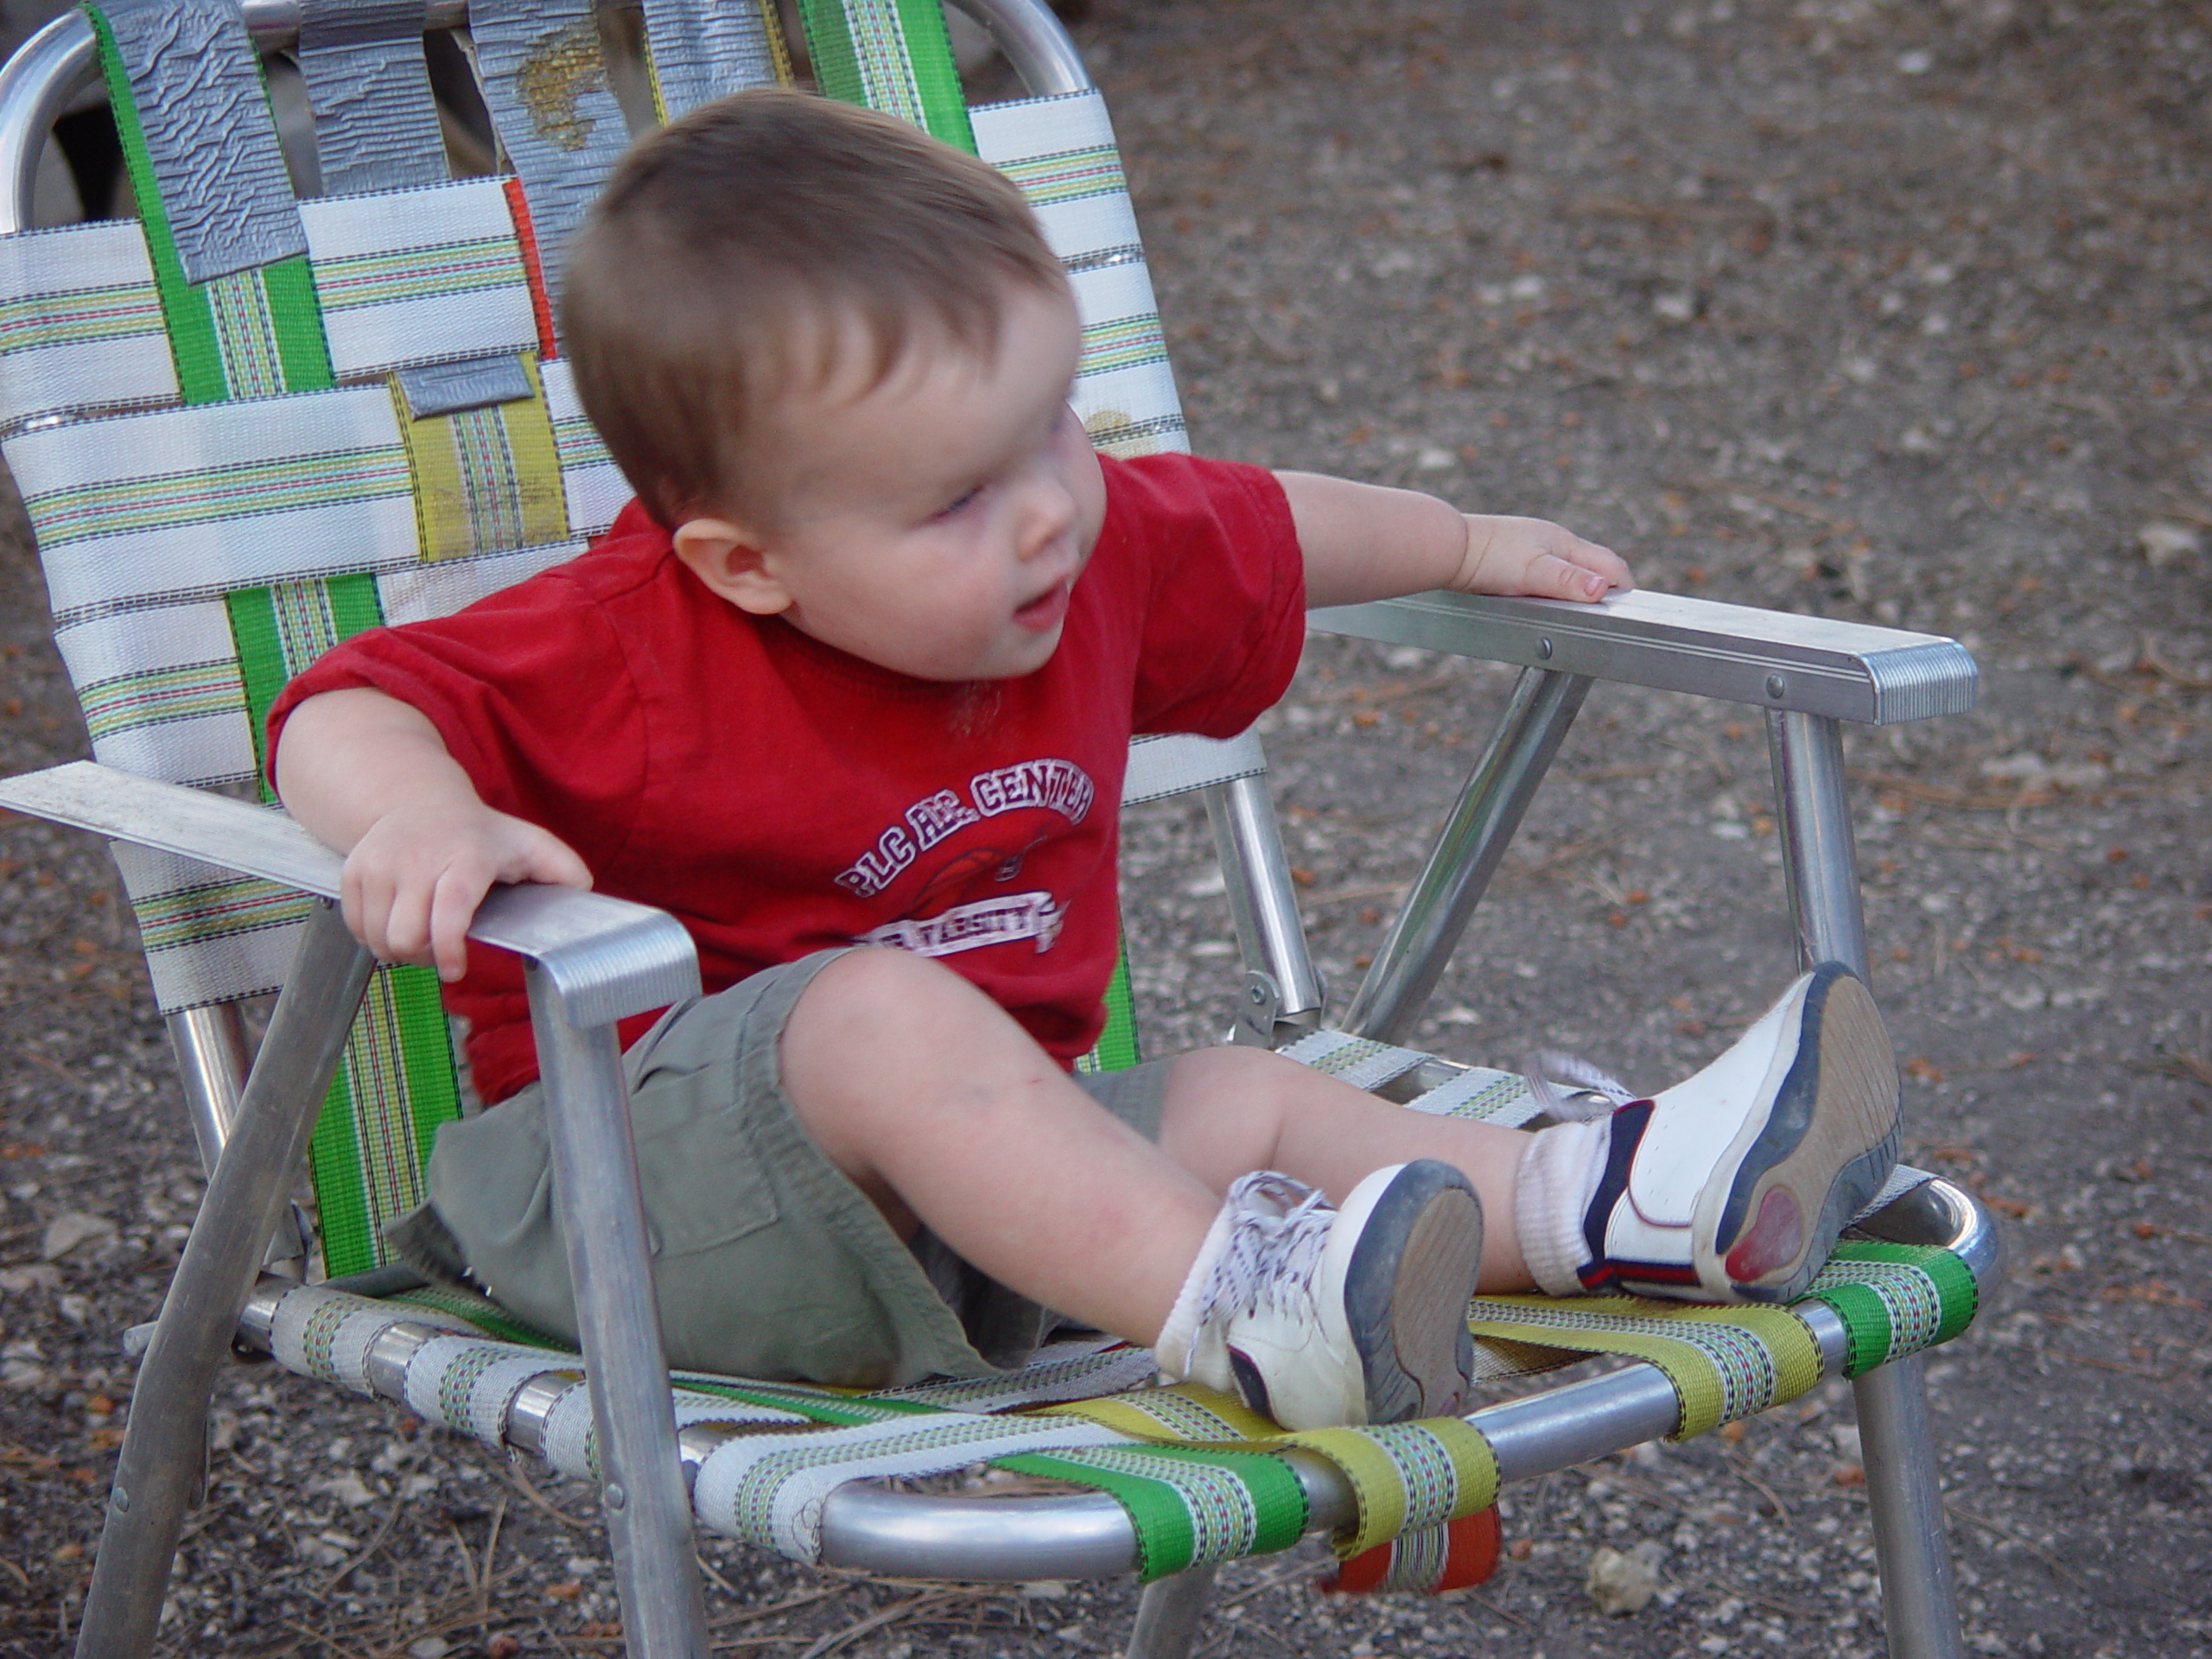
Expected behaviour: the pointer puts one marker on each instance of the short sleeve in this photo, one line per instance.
(530, 691)
(1225, 595)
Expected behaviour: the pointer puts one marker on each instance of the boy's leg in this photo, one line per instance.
(930, 1099)
(1730, 1185)
(1228, 1109)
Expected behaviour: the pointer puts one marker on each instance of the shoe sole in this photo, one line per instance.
(1826, 1145)
(1407, 1289)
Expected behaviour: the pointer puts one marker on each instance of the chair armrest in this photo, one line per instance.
(1810, 664)
(606, 957)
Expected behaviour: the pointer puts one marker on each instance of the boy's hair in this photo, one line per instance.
(717, 269)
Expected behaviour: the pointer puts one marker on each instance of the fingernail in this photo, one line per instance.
(1593, 585)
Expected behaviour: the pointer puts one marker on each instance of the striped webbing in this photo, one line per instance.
(891, 55)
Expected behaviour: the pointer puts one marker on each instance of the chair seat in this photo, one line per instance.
(1182, 1476)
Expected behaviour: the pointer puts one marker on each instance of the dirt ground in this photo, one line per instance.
(1892, 312)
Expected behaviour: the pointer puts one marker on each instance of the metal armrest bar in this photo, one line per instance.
(606, 957)
(871, 1527)
(1809, 664)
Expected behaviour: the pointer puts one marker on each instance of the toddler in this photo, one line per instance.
(848, 688)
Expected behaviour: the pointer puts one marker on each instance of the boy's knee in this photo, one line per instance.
(881, 993)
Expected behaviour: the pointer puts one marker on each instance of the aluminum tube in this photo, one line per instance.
(1818, 861)
(1466, 853)
(210, 1064)
(642, 1491)
(1168, 1614)
(1919, 1607)
(46, 71)
(1920, 1610)
(1270, 936)
(1025, 31)
(159, 1465)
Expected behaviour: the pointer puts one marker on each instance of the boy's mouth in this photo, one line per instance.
(1047, 610)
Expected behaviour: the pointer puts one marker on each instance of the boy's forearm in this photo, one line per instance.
(1363, 541)
(349, 758)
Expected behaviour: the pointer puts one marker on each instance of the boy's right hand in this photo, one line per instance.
(413, 880)
(370, 776)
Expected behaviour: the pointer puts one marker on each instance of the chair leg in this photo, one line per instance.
(1168, 1614)
(1918, 1607)
(160, 1465)
(642, 1491)
(1919, 1610)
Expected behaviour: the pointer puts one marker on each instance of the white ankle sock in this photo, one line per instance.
(1558, 1177)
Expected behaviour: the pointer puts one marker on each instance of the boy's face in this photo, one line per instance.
(935, 523)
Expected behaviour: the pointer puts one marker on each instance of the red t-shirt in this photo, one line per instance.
(779, 796)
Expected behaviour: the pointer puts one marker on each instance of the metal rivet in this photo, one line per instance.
(121, 1499)
(1775, 686)
(616, 1497)
(1259, 992)
(1544, 649)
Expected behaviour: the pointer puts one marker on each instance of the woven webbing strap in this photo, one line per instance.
(222, 230)
(891, 55)
(1061, 152)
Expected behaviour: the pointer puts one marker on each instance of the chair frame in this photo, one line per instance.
(591, 960)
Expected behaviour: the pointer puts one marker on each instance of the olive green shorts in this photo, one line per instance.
(767, 1261)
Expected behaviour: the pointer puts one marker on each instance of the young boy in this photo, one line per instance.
(857, 670)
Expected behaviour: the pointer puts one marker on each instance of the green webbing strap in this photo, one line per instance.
(893, 55)
(1116, 1048)
(250, 332)
(395, 1084)
(1185, 1504)
(1894, 1299)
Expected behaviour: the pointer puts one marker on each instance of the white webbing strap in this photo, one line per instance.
(1176, 764)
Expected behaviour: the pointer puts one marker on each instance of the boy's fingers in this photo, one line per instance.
(452, 907)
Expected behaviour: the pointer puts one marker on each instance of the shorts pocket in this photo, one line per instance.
(702, 1180)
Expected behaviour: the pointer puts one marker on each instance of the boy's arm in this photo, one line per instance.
(1364, 542)
(369, 775)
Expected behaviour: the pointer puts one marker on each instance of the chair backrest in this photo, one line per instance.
(249, 424)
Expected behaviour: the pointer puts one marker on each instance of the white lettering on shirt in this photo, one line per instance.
(1061, 786)
(971, 926)
(1052, 786)
(878, 868)
(938, 816)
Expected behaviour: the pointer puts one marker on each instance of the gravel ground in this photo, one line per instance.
(1880, 311)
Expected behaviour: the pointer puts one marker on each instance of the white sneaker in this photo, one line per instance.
(1733, 1185)
(1317, 1317)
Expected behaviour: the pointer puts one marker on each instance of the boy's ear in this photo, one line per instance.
(732, 561)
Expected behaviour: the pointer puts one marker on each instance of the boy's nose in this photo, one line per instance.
(1049, 514)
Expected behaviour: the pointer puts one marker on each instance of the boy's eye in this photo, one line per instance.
(967, 498)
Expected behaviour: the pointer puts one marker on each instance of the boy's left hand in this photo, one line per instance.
(1537, 559)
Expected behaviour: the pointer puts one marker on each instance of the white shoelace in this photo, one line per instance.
(1548, 1069)
(1276, 1232)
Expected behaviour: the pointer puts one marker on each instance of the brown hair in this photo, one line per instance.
(712, 273)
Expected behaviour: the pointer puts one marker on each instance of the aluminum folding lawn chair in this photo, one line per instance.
(247, 423)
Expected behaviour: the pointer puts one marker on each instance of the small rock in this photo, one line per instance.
(348, 1489)
(2165, 543)
(1621, 1585)
(1675, 307)
(72, 1231)
(430, 1647)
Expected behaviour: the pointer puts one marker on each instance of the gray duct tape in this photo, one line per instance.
(449, 388)
(376, 125)
(196, 85)
(704, 52)
(546, 82)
